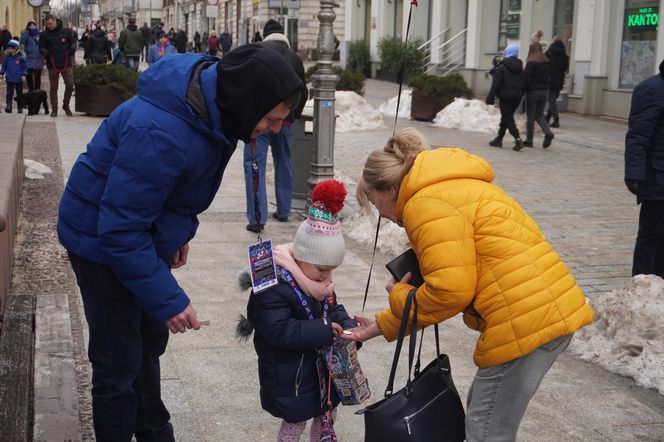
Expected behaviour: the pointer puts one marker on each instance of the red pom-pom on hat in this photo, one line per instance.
(331, 194)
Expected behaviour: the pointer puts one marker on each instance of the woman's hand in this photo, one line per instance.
(392, 282)
(367, 329)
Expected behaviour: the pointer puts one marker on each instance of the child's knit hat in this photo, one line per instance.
(319, 240)
(13, 44)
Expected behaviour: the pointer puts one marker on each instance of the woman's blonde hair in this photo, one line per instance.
(535, 53)
(385, 168)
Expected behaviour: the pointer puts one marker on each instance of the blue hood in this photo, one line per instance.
(167, 84)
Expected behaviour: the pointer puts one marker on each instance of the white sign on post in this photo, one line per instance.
(211, 8)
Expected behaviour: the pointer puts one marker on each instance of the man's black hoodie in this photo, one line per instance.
(250, 83)
(508, 81)
(57, 46)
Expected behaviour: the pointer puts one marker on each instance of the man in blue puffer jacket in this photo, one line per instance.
(644, 172)
(130, 207)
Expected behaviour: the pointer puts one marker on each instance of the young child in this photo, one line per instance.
(14, 70)
(507, 85)
(299, 316)
(161, 48)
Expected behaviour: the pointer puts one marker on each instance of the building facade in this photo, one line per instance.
(613, 44)
(115, 13)
(16, 14)
(242, 18)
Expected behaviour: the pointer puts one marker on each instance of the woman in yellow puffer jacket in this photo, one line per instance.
(479, 254)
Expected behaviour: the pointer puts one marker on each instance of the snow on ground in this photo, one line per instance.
(474, 116)
(627, 336)
(354, 113)
(361, 226)
(469, 115)
(34, 170)
(390, 106)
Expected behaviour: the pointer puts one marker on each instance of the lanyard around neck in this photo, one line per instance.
(303, 298)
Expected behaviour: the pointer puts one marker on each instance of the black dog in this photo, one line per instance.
(32, 100)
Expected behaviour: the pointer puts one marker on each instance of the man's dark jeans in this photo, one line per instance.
(125, 345)
(507, 109)
(649, 249)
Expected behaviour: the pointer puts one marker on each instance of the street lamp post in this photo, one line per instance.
(502, 33)
(324, 82)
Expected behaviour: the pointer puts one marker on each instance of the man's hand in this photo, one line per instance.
(184, 320)
(392, 282)
(367, 329)
(633, 186)
(180, 257)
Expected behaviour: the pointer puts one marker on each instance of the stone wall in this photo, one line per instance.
(11, 184)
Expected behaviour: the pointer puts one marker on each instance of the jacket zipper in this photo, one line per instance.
(408, 418)
(298, 376)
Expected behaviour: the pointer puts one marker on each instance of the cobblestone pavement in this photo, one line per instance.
(574, 191)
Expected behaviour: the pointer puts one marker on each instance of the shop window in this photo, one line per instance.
(639, 44)
(563, 22)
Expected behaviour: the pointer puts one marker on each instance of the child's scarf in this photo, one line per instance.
(319, 290)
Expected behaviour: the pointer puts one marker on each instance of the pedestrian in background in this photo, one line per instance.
(537, 80)
(57, 46)
(226, 42)
(147, 41)
(213, 44)
(644, 172)
(181, 41)
(160, 49)
(98, 50)
(481, 255)
(559, 62)
(14, 71)
(131, 44)
(507, 84)
(279, 143)
(33, 58)
(257, 37)
(131, 206)
(204, 42)
(197, 42)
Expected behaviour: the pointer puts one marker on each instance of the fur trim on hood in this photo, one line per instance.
(244, 327)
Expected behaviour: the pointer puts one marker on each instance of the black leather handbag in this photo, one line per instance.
(428, 408)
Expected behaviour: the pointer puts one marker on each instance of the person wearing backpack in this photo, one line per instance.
(98, 48)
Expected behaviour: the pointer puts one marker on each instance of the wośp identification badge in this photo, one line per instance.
(261, 265)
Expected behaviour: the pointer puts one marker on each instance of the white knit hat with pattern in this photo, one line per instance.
(319, 239)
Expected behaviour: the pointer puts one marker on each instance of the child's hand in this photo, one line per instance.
(337, 329)
(367, 329)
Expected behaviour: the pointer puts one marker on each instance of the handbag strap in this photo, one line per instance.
(410, 299)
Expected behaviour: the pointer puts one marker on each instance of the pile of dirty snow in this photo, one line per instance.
(627, 336)
(354, 113)
(469, 115)
(361, 226)
(34, 170)
(390, 106)
(474, 116)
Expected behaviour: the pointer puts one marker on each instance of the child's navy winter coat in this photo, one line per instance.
(286, 342)
(14, 67)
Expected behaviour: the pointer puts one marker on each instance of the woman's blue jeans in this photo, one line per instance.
(499, 395)
(124, 349)
(283, 173)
